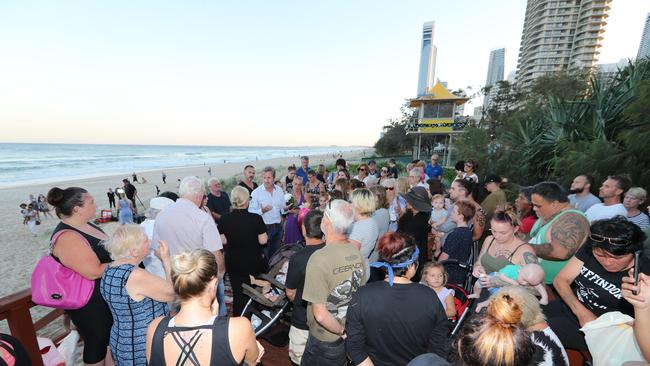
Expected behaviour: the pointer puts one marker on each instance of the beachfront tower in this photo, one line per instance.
(436, 113)
(428, 55)
(644, 47)
(560, 35)
(496, 71)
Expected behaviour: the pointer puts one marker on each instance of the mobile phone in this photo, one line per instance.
(637, 264)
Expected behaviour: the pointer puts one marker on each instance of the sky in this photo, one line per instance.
(273, 73)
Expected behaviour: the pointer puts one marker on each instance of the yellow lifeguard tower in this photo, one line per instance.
(435, 113)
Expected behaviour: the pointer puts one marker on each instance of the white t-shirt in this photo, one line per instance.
(601, 212)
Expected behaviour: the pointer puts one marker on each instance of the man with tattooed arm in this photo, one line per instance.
(560, 230)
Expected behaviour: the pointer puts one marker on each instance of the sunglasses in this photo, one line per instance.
(390, 188)
(362, 169)
(613, 241)
(469, 165)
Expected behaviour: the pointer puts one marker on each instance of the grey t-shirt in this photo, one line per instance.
(382, 219)
(583, 203)
(366, 232)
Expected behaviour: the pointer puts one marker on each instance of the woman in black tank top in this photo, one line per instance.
(76, 208)
(196, 336)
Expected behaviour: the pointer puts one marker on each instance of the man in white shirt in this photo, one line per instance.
(581, 197)
(611, 192)
(185, 227)
(268, 201)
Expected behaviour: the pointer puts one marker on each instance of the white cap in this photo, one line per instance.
(160, 203)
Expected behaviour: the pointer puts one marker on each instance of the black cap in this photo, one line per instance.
(493, 178)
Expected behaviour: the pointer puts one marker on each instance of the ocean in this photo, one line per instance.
(22, 164)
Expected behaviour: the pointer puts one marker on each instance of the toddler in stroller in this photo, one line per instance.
(268, 305)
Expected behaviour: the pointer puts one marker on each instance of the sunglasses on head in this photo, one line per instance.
(612, 241)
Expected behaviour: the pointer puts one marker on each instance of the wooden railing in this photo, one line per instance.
(15, 309)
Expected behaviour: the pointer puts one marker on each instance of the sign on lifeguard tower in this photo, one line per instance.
(435, 112)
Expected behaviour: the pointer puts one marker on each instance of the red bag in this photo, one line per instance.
(57, 286)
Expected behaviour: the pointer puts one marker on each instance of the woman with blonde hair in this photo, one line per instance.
(134, 296)
(549, 351)
(364, 232)
(496, 338)
(395, 202)
(635, 197)
(196, 335)
(243, 234)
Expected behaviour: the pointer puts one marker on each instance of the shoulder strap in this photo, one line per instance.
(158, 343)
(490, 245)
(220, 343)
(515, 251)
(56, 236)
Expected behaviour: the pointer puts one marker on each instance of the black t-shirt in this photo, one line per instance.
(129, 190)
(288, 182)
(393, 325)
(220, 205)
(392, 172)
(111, 196)
(599, 290)
(458, 245)
(243, 250)
(296, 280)
(250, 191)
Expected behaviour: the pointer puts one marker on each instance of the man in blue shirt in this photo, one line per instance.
(434, 170)
(304, 168)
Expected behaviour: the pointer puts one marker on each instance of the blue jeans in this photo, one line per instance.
(319, 353)
(428, 359)
(221, 298)
(274, 231)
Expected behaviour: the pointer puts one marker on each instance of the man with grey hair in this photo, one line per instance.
(415, 178)
(218, 202)
(268, 201)
(334, 273)
(185, 227)
(434, 169)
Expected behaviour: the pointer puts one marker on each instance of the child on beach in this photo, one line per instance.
(32, 219)
(530, 275)
(438, 217)
(434, 276)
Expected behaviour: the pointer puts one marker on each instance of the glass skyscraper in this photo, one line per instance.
(644, 47)
(428, 53)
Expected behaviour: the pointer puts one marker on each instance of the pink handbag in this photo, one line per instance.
(57, 286)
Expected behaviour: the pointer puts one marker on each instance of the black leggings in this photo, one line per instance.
(93, 322)
(239, 300)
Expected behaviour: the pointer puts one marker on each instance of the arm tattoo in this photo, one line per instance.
(530, 258)
(569, 231)
(543, 250)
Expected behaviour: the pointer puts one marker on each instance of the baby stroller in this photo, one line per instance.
(268, 304)
(462, 290)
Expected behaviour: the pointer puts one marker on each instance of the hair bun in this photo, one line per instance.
(55, 196)
(504, 311)
(184, 263)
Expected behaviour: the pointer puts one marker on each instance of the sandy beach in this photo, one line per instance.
(21, 250)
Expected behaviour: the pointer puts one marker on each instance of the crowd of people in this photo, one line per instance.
(370, 286)
(32, 212)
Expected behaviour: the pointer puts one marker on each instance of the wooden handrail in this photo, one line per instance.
(15, 309)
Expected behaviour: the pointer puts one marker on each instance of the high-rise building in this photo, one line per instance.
(496, 66)
(428, 54)
(560, 35)
(495, 73)
(644, 47)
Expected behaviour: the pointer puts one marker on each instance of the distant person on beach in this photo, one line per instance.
(304, 169)
(78, 245)
(131, 192)
(125, 210)
(249, 175)
(164, 177)
(135, 178)
(111, 198)
(23, 211)
(43, 207)
(32, 219)
(210, 171)
(218, 201)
